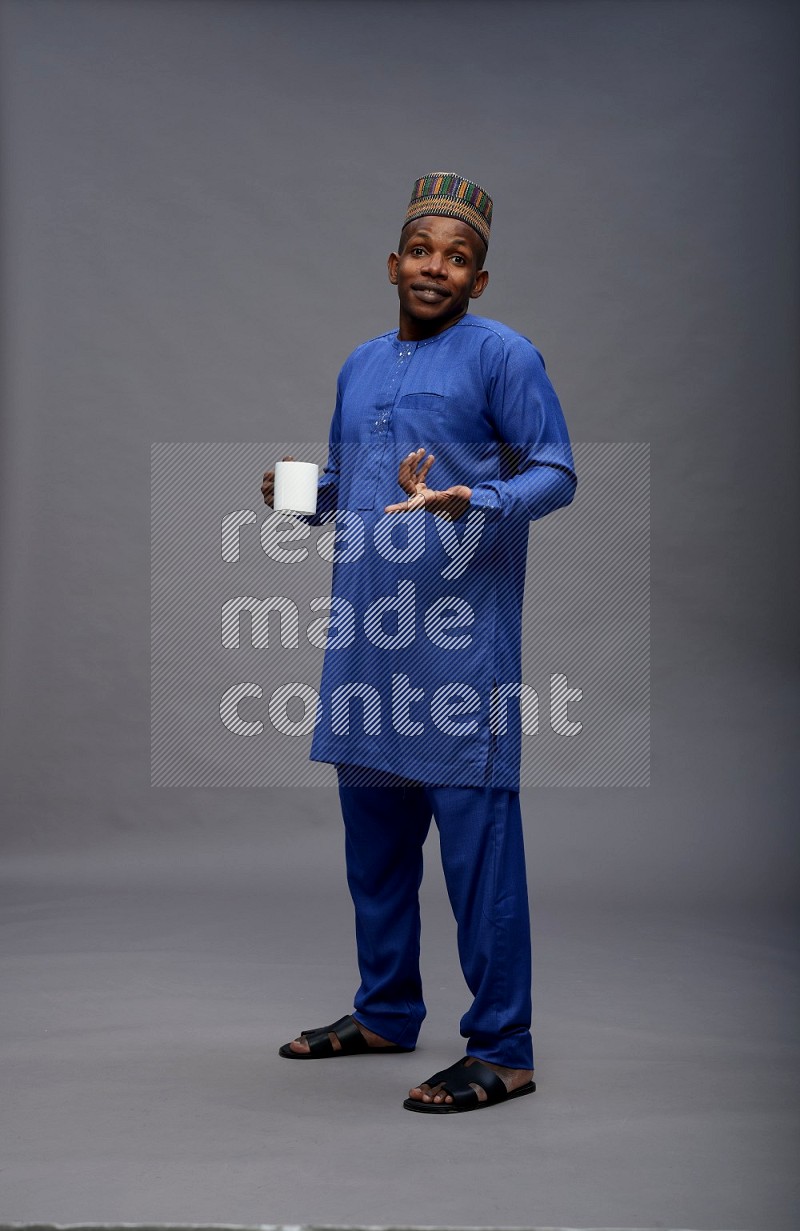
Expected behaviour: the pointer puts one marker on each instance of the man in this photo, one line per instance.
(422, 665)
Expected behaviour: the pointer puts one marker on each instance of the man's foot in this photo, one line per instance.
(512, 1079)
(301, 1047)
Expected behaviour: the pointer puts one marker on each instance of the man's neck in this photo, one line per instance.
(416, 331)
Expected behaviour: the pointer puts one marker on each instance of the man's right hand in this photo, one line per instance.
(268, 484)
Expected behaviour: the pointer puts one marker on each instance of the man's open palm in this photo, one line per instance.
(413, 471)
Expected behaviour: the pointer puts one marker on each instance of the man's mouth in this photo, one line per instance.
(426, 291)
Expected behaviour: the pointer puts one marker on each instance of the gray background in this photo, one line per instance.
(198, 202)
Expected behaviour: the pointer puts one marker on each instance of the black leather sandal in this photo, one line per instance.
(347, 1032)
(455, 1081)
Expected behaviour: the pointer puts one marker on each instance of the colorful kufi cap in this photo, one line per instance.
(451, 196)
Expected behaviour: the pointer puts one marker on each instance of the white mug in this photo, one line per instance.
(296, 487)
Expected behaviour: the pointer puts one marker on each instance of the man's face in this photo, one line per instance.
(436, 274)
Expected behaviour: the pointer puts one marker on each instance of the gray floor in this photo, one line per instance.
(146, 991)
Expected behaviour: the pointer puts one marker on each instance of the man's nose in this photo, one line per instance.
(435, 264)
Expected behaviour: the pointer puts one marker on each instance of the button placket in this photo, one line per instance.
(380, 427)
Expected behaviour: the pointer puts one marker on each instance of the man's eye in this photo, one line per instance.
(418, 251)
(459, 260)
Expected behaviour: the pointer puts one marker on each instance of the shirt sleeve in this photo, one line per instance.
(328, 482)
(537, 469)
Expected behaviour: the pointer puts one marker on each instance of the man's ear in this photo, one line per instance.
(481, 281)
(391, 265)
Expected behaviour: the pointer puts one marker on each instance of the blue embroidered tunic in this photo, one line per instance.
(422, 663)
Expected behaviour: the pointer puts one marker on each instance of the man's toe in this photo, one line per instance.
(428, 1094)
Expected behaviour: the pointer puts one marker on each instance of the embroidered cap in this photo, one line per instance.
(451, 196)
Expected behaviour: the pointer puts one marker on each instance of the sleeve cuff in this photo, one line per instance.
(487, 500)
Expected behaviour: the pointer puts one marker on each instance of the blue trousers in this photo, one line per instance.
(480, 834)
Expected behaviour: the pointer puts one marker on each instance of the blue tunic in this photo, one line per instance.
(422, 663)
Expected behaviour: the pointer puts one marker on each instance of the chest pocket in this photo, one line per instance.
(422, 414)
(422, 401)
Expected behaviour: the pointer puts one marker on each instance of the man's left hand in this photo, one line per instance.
(450, 503)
